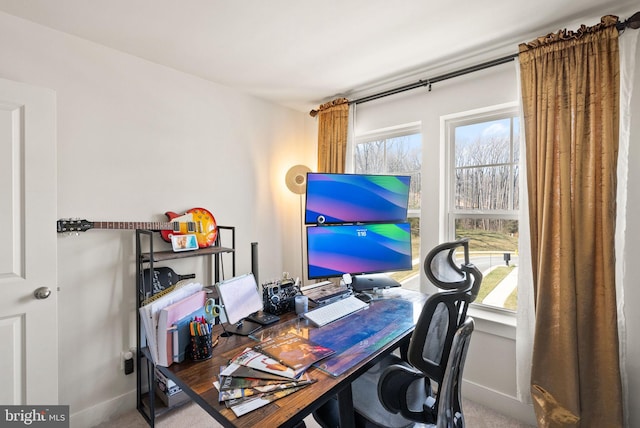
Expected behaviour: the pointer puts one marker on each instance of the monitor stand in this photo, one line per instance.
(374, 281)
(242, 328)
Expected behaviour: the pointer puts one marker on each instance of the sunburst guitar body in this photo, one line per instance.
(198, 221)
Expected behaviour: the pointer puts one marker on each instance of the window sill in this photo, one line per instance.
(495, 322)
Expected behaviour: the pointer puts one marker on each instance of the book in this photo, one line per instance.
(293, 351)
(259, 361)
(168, 316)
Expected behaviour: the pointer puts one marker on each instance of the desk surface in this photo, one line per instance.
(359, 340)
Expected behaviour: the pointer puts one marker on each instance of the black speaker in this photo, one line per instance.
(254, 261)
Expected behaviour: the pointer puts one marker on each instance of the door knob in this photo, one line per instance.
(42, 292)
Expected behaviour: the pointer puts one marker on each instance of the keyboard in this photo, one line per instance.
(334, 311)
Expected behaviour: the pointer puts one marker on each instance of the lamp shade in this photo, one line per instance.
(296, 178)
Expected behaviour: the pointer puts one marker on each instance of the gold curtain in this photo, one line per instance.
(570, 92)
(333, 123)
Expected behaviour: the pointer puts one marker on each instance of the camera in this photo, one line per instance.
(278, 296)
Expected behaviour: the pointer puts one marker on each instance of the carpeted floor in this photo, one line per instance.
(192, 416)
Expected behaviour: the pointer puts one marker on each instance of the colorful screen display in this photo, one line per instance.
(353, 198)
(333, 250)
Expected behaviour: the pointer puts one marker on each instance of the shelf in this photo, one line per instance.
(149, 404)
(159, 256)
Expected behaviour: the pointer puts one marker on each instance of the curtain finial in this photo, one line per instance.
(328, 105)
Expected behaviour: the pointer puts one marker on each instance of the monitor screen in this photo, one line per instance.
(351, 198)
(333, 250)
(240, 297)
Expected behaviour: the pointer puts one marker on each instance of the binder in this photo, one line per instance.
(168, 316)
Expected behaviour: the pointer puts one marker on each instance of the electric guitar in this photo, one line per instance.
(197, 221)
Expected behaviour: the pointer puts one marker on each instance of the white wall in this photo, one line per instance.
(135, 140)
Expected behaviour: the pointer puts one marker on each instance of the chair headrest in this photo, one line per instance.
(444, 270)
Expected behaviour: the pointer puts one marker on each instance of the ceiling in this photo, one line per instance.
(301, 53)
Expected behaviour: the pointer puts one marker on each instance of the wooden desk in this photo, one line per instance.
(196, 378)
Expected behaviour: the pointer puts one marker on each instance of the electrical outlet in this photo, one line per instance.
(127, 361)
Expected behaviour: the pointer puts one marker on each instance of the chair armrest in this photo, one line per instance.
(403, 389)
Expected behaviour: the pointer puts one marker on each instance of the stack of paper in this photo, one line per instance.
(267, 372)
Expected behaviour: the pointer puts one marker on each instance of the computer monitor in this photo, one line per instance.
(240, 298)
(333, 250)
(356, 198)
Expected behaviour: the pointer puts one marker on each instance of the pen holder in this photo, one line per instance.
(201, 347)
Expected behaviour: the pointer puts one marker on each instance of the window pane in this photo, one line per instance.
(493, 246)
(369, 157)
(395, 155)
(483, 188)
(483, 143)
(404, 154)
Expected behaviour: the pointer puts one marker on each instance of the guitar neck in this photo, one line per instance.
(150, 225)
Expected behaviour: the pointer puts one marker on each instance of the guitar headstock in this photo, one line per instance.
(73, 225)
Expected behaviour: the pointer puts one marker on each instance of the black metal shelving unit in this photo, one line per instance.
(148, 404)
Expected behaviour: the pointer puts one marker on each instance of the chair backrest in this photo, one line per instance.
(450, 393)
(445, 311)
(432, 338)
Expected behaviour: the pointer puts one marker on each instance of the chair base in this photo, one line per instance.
(365, 397)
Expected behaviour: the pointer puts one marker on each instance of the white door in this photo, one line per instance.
(28, 253)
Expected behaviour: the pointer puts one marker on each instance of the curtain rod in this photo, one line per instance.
(428, 82)
(633, 22)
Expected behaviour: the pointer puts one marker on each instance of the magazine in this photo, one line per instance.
(238, 371)
(235, 381)
(293, 351)
(259, 361)
(242, 406)
(230, 394)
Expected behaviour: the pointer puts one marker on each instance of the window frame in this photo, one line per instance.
(448, 125)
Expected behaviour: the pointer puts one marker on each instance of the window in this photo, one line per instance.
(483, 193)
(396, 150)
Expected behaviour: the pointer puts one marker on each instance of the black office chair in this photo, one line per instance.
(429, 354)
(397, 386)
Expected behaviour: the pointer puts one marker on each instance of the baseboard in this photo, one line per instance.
(499, 401)
(104, 411)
